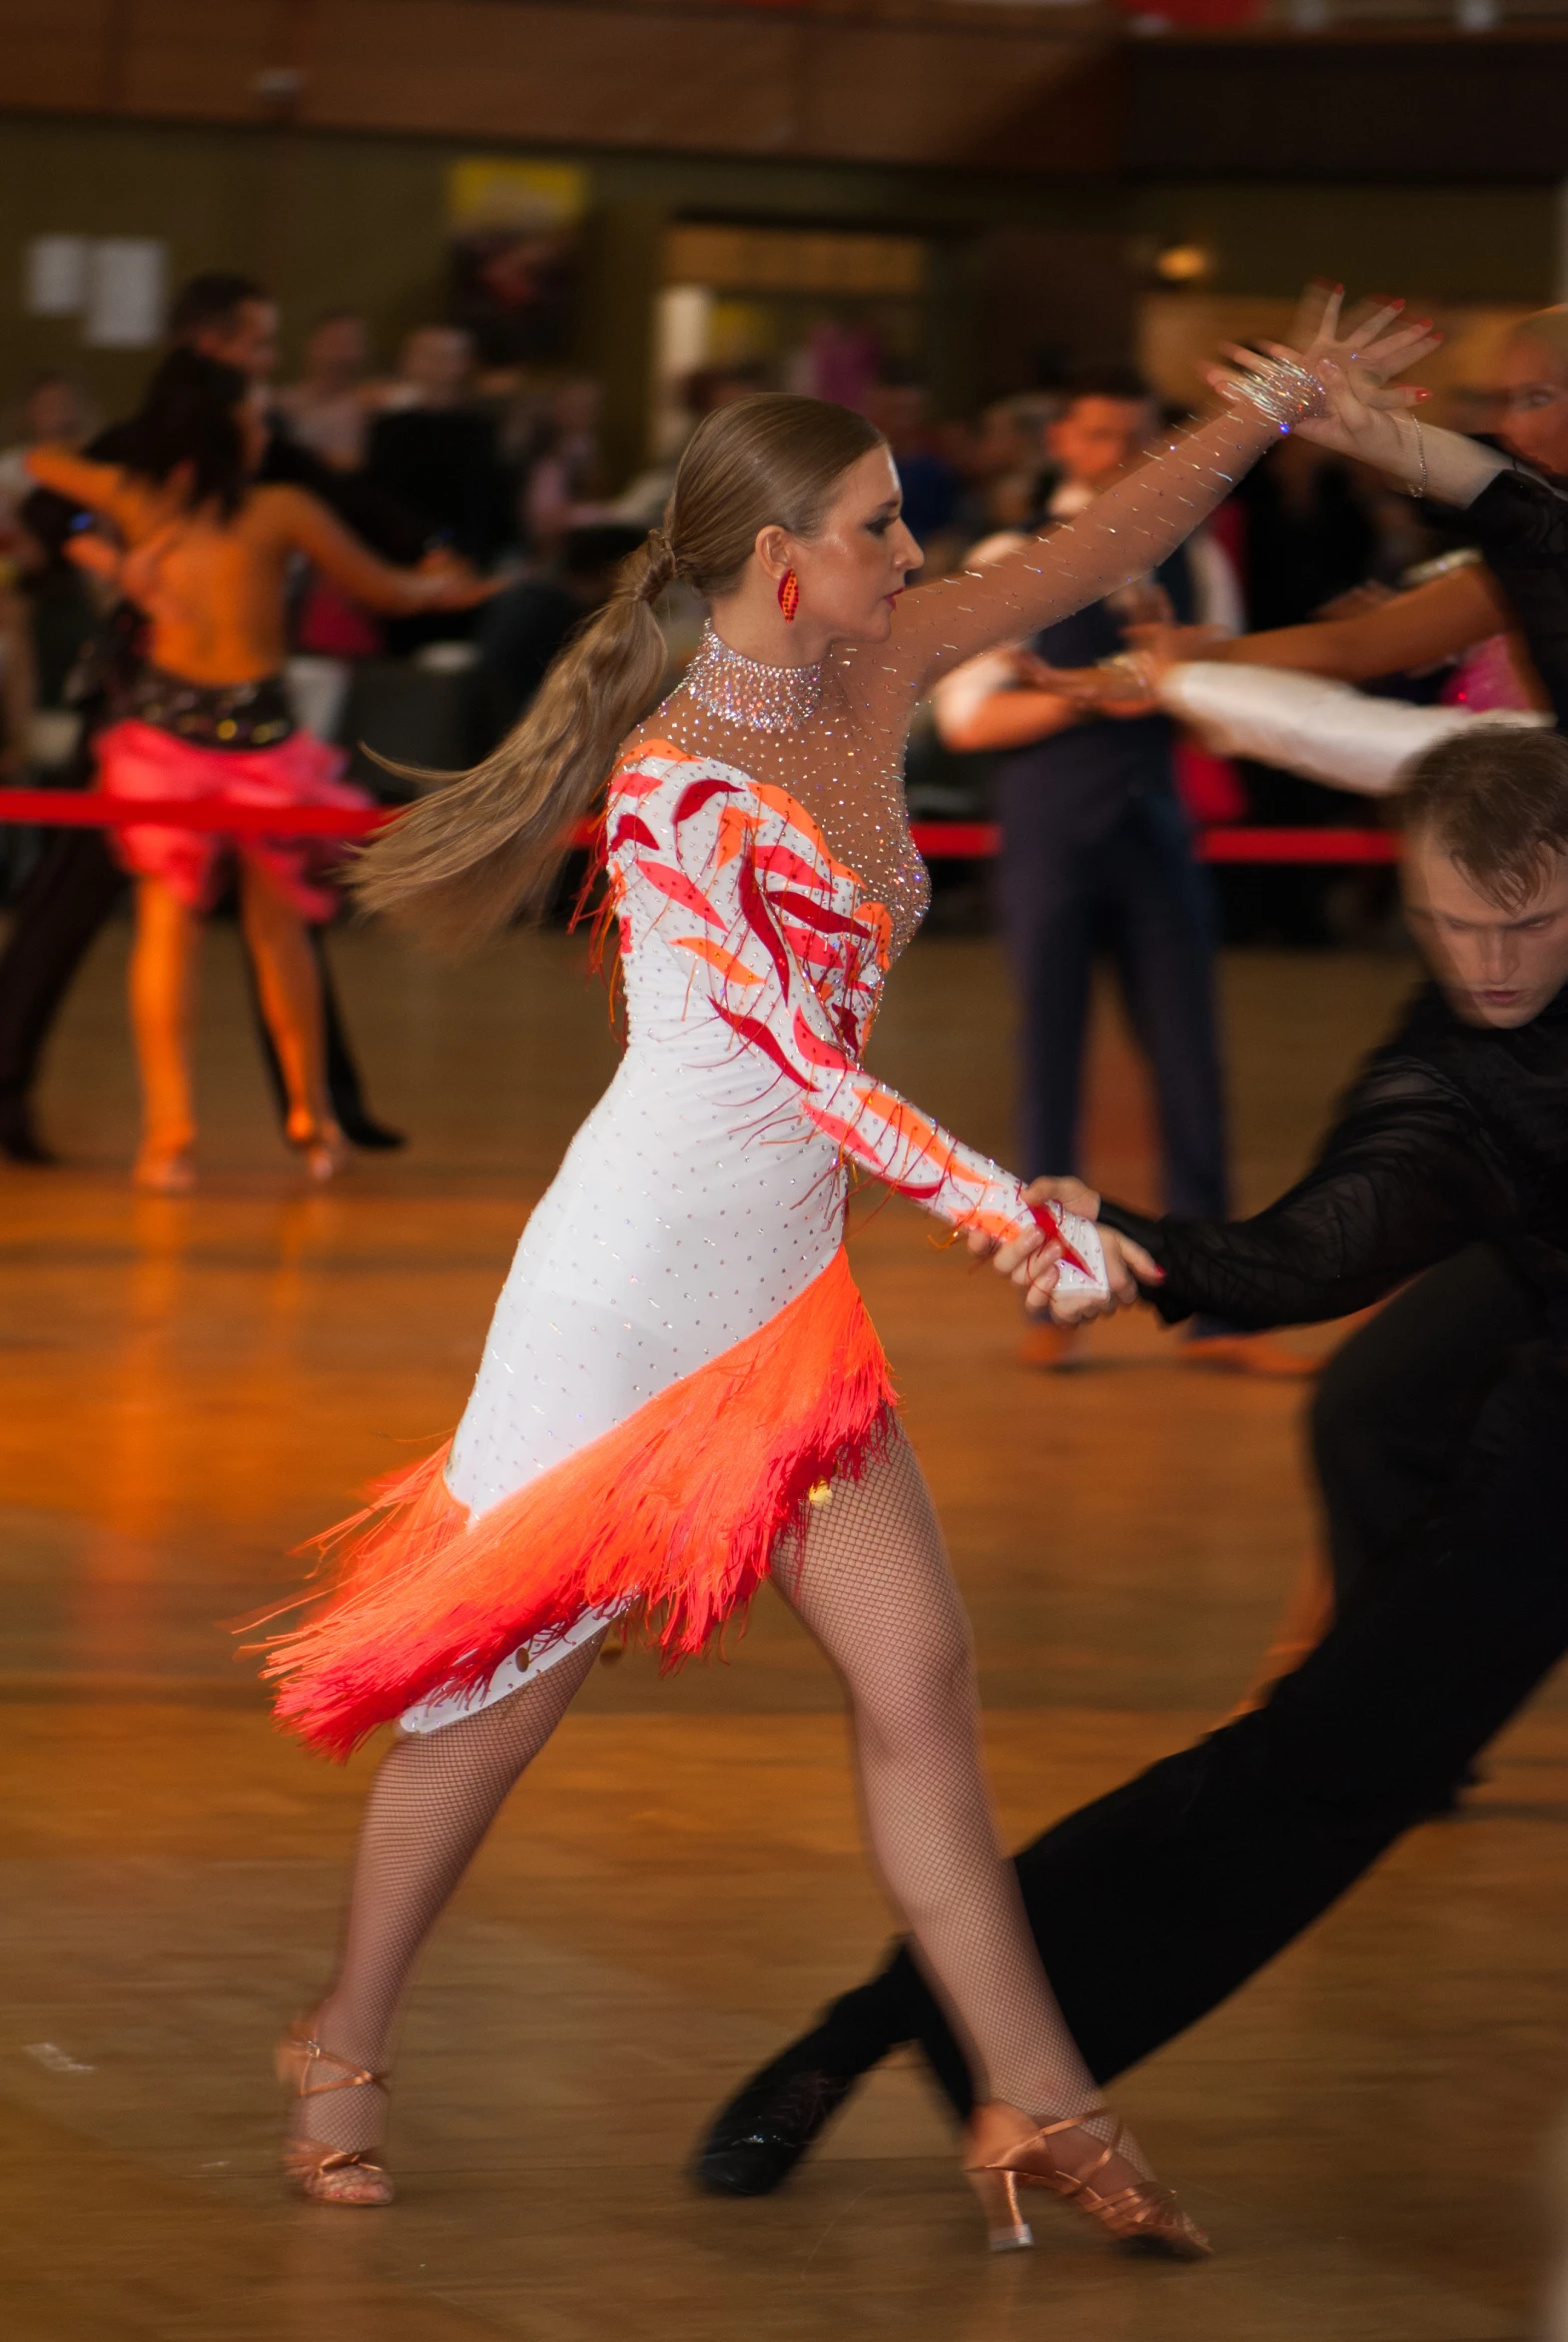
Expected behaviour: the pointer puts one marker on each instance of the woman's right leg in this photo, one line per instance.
(873, 1585)
(430, 1806)
(162, 965)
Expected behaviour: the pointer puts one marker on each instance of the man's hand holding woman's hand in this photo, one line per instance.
(1033, 1261)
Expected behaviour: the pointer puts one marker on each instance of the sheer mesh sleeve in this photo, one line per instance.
(1521, 525)
(1123, 534)
(788, 962)
(1405, 1177)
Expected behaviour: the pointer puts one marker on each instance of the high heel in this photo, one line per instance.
(321, 1143)
(164, 1170)
(325, 2174)
(1003, 2151)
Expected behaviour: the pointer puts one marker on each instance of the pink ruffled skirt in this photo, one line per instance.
(138, 760)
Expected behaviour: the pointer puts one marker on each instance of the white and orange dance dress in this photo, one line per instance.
(679, 1355)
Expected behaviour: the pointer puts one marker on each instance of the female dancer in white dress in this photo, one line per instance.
(681, 1392)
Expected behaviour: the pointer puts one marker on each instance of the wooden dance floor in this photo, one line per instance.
(189, 1387)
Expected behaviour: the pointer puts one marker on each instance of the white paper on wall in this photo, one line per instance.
(126, 280)
(54, 275)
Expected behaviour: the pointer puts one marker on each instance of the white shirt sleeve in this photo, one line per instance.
(1216, 591)
(1308, 724)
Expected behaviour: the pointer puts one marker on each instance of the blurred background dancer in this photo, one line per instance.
(1097, 856)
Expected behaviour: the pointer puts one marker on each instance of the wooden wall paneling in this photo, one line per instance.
(188, 59)
(650, 77)
(622, 260)
(598, 76)
(53, 53)
(905, 95)
(1368, 110)
(1062, 297)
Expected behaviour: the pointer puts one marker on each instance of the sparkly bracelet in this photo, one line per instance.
(1287, 392)
(1420, 448)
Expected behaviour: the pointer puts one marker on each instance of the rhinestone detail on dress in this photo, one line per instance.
(767, 700)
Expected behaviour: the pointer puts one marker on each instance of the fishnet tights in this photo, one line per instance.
(430, 1807)
(872, 1584)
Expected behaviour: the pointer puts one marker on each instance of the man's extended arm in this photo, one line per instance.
(1404, 1178)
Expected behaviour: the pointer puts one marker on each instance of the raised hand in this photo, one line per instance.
(1351, 364)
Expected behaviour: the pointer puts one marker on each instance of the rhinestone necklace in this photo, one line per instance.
(769, 700)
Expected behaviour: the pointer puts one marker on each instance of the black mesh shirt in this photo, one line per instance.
(1451, 1131)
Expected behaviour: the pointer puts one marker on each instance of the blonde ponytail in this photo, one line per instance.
(461, 862)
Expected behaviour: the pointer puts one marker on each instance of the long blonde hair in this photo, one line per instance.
(462, 861)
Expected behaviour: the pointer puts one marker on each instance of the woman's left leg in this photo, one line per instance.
(288, 983)
(872, 1584)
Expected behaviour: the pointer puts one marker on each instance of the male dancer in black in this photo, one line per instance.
(77, 882)
(1442, 1437)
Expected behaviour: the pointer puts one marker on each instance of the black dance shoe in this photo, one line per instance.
(763, 2133)
(364, 1131)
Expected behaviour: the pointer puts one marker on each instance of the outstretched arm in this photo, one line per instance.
(102, 487)
(1326, 731)
(1415, 629)
(1404, 1179)
(1132, 527)
(1123, 534)
(314, 531)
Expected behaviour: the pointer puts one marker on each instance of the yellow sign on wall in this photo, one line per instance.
(485, 192)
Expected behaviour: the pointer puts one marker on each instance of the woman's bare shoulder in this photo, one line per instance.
(274, 505)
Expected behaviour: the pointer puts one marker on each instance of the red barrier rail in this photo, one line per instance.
(939, 841)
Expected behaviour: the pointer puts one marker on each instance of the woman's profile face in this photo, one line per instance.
(853, 570)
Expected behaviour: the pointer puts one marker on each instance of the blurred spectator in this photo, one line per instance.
(55, 624)
(1007, 458)
(1308, 533)
(564, 487)
(642, 502)
(229, 317)
(235, 320)
(1097, 851)
(330, 408)
(436, 450)
(52, 411)
(931, 485)
(519, 633)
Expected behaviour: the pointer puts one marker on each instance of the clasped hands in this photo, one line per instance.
(1033, 1262)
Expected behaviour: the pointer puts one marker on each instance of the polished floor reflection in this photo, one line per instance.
(188, 1387)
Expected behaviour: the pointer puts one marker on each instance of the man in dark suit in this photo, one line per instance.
(1097, 855)
(1440, 1434)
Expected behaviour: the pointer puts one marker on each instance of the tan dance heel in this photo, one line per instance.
(324, 2175)
(164, 1170)
(321, 1143)
(1003, 2151)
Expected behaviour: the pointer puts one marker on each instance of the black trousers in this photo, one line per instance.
(1136, 892)
(1442, 1432)
(59, 912)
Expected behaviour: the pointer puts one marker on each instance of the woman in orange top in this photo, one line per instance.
(206, 552)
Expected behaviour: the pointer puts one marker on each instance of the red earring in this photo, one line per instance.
(789, 597)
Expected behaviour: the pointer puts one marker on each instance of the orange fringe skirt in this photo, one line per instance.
(673, 1516)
